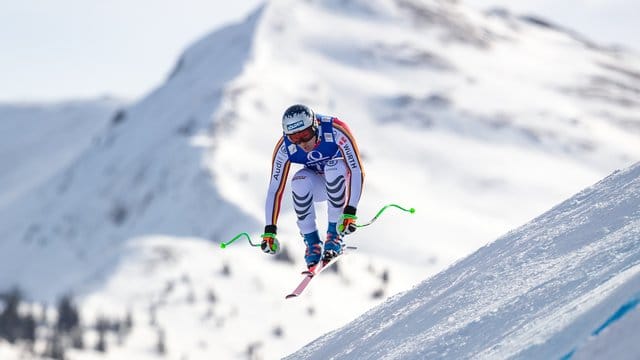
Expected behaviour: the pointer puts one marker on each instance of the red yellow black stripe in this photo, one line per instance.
(283, 182)
(347, 132)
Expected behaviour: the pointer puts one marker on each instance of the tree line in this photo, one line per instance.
(21, 325)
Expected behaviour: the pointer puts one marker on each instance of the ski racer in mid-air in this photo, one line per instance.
(332, 171)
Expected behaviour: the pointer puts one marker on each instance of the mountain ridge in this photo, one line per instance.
(130, 165)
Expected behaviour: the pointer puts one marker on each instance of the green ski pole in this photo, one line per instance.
(410, 210)
(225, 244)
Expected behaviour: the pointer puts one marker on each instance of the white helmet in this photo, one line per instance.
(297, 118)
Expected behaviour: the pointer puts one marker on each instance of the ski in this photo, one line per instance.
(300, 288)
(311, 273)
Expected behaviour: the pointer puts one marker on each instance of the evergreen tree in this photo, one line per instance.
(77, 339)
(10, 322)
(54, 348)
(152, 315)
(44, 319)
(101, 345)
(128, 321)
(29, 328)
(211, 296)
(68, 316)
(161, 347)
(102, 326)
(226, 270)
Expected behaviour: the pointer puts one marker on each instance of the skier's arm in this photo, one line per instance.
(279, 172)
(351, 155)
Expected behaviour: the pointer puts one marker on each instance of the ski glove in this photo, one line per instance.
(347, 221)
(270, 244)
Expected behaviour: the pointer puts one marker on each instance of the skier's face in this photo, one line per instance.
(309, 144)
(306, 138)
(302, 136)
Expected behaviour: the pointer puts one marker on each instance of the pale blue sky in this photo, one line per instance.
(604, 21)
(68, 49)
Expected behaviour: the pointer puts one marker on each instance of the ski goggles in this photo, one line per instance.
(302, 136)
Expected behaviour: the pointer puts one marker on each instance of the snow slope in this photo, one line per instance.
(478, 121)
(40, 139)
(142, 175)
(546, 290)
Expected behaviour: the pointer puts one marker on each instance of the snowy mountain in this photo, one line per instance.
(45, 138)
(479, 121)
(565, 285)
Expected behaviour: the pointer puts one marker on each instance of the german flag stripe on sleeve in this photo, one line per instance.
(279, 193)
(277, 183)
(347, 132)
(344, 129)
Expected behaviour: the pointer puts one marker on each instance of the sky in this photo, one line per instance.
(69, 49)
(77, 49)
(604, 21)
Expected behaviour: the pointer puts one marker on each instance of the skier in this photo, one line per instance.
(332, 171)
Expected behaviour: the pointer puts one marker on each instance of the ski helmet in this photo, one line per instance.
(297, 118)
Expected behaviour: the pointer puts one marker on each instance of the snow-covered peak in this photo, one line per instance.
(40, 139)
(479, 121)
(143, 174)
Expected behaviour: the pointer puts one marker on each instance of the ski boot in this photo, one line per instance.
(333, 244)
(313, 253)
